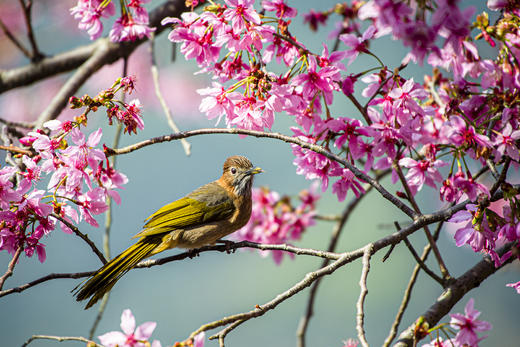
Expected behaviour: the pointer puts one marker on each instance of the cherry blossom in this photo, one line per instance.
(131, 336)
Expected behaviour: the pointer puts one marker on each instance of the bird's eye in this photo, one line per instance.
(233, 170)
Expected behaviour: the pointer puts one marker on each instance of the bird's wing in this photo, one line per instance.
(207, 204)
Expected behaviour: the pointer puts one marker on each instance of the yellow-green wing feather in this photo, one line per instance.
(206, 204)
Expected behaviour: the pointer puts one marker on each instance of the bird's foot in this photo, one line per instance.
(229, 245)
(193, 252)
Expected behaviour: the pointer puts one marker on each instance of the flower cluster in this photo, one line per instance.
(439, 133)
(130, 26)
(467, 325)
(275, 221)
(80, 177)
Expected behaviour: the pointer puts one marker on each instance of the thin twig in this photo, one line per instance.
(155, 77)
(453, 294)
(442, 266)
(360, 316)
(423, 265)
(360, 108)
(261, 310)
(18, 150)
(99, 316)
(408, 291)
(221, 335)
(108, 216)
(289, 139)
(435, 95)
(46, 278)
(309, 310)
(230, 246)
(82, 236)
(10, 267)
(502, 176)
(36, 55)
(328, 218)
(78, 78)
(61, 339)
(24, 125)
(74, 58)
(344, 259)
(492, 168)
(14, 40)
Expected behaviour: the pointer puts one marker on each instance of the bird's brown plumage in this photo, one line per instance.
(200, 218)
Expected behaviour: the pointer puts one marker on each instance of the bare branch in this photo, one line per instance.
(309, 278)
(408, 291)
(73, 59)
(86, 70)
(10, 267)
(36, 55)
(18, 150)
(289, 139)
(49, 277)
(442, 266)
(189, 254)
(304, 321)
(82, 236)
(452, 295)
(14, 40)
(155, 77)
(61, 339)
(360, 316)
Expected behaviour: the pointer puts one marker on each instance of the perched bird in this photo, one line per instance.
(200, 218)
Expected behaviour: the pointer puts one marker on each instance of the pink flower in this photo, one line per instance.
(314, 81)
(240, 13)
(198, 340)
(505, 142)
(421, 172)
(131, 27)
(7, 193)
(275, 221)
(315, 18)
(281, 8)
(89, 13)
(350, 343)
(468, 325)
(461, 134)
(357, 44)
(470, 233)
(346, 182)
(131, 336)
(439, 342)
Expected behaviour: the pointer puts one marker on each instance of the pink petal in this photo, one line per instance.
(145, 330)
(112, 338)
(127, 322)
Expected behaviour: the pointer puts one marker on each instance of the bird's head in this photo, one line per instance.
(238, 173)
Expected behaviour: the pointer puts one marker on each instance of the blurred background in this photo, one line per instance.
(181, 296)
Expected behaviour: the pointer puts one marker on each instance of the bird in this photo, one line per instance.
(201, 218)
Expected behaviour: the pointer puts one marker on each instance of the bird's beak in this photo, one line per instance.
(255, 171)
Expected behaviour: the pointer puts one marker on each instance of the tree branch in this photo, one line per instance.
(83, 237)
(10, 267)
(73, 59)
(452, 294)
(155, 77)
(61, 339)
(189, 254)
(289, 139)
(360, 316)
(408, 291)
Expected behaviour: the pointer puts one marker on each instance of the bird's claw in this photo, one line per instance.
(228, 244)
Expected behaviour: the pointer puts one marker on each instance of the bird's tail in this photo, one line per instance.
(105, 278)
